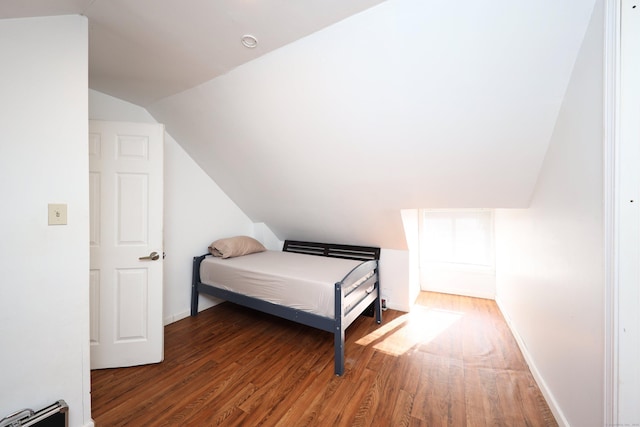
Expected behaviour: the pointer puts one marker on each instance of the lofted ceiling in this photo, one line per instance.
(347, 112)
(145, 50)
(409, 104)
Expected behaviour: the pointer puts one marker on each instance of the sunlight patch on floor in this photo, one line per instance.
(420, 326)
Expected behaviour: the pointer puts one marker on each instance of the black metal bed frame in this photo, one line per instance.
(353, 295)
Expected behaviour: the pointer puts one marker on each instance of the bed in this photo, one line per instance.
(325, 286)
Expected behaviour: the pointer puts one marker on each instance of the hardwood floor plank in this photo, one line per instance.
(311, 402)
(388, 395)
(364, 398)
(451, 362)
(266, 405)
(402, 409)
(440, 396)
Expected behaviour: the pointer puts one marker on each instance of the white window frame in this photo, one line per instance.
(460, 213)
(453, 277)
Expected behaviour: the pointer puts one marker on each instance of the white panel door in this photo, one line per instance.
(126, 197)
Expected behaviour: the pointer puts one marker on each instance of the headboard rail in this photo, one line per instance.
(360, 253)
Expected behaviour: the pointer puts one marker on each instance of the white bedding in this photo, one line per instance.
(303, 282)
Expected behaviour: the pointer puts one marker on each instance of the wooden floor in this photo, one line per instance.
(451, 362)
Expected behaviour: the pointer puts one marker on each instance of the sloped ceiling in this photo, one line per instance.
(409, 104)
(346, 112)
(145, 50)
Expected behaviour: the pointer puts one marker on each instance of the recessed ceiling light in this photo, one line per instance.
(249, 41)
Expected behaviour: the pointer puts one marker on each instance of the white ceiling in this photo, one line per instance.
(327, 135)
(409, 104)
(145, 50)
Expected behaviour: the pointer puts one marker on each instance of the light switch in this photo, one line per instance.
(57, 214)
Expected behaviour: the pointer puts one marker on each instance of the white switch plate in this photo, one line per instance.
(57, 214)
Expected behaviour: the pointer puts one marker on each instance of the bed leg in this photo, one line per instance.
(338, 346)
(194, 300)
(195, 278)
(377, 304)
(378, 309)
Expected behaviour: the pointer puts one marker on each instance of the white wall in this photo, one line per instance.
(264, 234)
(549, 258)
(471, 281)
(410, 218)
(196, 211)
(395, 279)
(44, 295)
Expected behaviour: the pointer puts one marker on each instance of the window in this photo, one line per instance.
(463, 237)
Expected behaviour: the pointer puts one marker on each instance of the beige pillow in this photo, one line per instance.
(235, 246)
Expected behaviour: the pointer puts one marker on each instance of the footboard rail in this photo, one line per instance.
(353, 295)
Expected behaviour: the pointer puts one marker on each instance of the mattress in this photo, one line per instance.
(302, 282)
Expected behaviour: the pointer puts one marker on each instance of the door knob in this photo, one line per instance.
(152, 256)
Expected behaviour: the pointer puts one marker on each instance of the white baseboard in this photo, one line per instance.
(398, 307)
(174, 318)
(205, 302)
(467, 292)
(546, 392)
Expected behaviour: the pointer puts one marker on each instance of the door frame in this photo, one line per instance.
(621, 227)
(610, 141)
